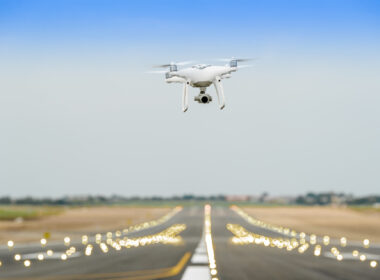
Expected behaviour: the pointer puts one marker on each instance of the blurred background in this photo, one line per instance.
(89, 136)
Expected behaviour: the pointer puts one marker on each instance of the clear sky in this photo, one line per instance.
(79, 114)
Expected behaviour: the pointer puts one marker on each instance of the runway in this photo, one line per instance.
(184, 247)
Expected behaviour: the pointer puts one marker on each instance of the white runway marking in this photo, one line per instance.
(199, 259)
(199, 264)
(200, 255)
(196, 272)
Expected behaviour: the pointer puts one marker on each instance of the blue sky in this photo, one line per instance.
(79, 114)
(205, 27)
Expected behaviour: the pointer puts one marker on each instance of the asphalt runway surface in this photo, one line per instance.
(189, 257)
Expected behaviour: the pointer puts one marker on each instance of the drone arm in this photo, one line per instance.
(219, 92)
(185, 98)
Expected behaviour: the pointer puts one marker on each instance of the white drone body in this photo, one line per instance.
(201, 76)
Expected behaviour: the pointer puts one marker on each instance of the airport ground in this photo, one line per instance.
(182, 244)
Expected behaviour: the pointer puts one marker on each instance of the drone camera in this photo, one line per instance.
(203, 98)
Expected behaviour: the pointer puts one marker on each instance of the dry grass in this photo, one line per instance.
(335, 222)
(76, 222)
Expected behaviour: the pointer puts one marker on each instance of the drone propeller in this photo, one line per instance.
(173, 63)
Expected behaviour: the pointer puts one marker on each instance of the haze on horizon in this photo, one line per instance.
(80, 115)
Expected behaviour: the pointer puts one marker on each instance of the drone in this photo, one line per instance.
(201, 76)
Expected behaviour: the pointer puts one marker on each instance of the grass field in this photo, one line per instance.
(75, 221)
(354, 223)
(8, 213)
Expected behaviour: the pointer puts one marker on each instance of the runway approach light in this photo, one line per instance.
(326, 240)
(355, 253)
(40, 257)
(67, 240)
(63, 257)
(343, 241)
(88, 250)
(362, 258)
(49, 253)
(43, 241)
(373, 264)
(17, 257)
(27, 263)
(84, 239)
(317, 250)
(366, 243)
(313, 239)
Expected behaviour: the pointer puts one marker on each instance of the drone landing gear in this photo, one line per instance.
(219, 92)
(185, 99)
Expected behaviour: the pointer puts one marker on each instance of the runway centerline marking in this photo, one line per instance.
(203, 262)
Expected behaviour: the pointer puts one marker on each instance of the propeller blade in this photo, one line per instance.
(181, 63)
(244, 66)
(162, 66)
(243, 59)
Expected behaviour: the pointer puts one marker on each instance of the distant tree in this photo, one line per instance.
(5, 200)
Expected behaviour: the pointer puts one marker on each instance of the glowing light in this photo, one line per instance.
(84, 239)
(71, 251)
(67, 240)
(49, 253)
(63, 257)
(373, 264)
(10, 244)
(1, 263)
(27, 263)
(326, 240)
(355, 253)
(17, 257)
(366, 243)
(317, 250)
(362, 258)
(43, 241)
(104, 247)
(98, 238)
(335, 251)
(343, 241)
(88, 250)
(302, 249)
(339, 257)
(208, 240)
(313, 239)
(40, 257)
